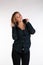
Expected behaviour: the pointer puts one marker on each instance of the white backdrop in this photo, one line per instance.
(32, 9)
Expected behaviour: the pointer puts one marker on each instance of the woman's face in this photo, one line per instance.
(18, 17)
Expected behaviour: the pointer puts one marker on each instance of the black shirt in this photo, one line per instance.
(22, 41)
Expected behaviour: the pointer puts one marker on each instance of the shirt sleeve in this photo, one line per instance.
(30, 28)
(14, 33)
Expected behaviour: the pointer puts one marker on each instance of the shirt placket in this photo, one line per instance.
(23, 41)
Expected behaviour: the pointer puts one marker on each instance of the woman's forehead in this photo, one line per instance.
(17, 14)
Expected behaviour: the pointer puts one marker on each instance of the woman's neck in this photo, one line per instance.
(20, 22)
(21, 25)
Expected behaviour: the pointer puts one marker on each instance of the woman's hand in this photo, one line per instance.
(27, 20)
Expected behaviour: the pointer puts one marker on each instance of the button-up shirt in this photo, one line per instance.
(22, 41)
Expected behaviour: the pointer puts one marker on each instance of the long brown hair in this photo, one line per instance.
(12, 21)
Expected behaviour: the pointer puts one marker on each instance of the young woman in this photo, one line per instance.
(21, 33)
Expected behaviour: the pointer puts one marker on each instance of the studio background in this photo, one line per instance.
(31, 9)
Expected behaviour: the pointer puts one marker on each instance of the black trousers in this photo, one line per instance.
(16, 57)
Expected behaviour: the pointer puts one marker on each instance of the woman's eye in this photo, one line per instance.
(18, 16)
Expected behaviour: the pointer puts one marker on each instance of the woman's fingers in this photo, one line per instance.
(27, 19)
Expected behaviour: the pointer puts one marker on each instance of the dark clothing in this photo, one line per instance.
(16, 56)
(22, 37)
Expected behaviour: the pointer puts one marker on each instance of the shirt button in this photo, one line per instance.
(22, 48)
